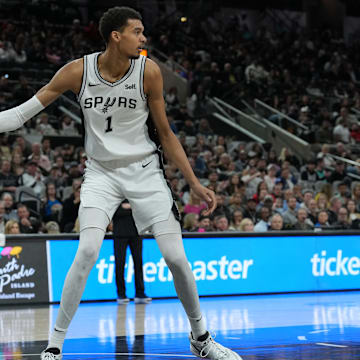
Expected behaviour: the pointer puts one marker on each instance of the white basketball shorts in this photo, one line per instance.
(142, 183)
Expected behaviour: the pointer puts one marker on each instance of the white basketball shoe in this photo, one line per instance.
(47, 355)
(209, 349)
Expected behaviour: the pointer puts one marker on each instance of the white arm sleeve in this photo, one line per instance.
(14, 118)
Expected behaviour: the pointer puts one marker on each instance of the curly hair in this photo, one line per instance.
(116, 18)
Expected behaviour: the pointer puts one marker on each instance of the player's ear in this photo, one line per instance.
(116, 36)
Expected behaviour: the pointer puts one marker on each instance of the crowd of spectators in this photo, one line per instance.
(257, 189)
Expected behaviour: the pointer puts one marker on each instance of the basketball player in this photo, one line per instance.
(116, 89)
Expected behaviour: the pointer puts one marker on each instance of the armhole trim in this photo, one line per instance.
(141, 78)
(84, 78)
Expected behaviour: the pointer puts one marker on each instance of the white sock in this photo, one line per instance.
(57, 339)
(198, 326)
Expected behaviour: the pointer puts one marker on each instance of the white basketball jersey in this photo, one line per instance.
(115, 114)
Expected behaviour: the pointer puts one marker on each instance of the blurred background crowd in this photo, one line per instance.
(310, 75)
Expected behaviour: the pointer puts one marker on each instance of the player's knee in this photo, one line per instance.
(88, 256)
(176, 262)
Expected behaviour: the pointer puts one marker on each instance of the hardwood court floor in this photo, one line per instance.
(299, 326)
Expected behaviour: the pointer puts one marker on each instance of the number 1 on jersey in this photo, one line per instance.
(108, 124)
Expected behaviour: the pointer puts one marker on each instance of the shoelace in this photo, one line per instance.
(49, 356)
(212, 345)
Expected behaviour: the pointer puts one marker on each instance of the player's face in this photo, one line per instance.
(132, 38)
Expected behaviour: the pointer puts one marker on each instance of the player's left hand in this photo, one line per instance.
(207, 195)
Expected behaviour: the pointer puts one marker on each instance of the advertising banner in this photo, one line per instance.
(23, 272)
(224, 266)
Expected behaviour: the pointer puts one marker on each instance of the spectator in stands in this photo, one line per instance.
(251, 178)
(356, 195)
(71, 208)
(236, 218)
(322, 220)
(204, 127)
(339, 174)
(286, 179)
(221, 223)
(52, 227)
(276, 222)
(302, 223)
(171, 98)
(8, 180)
(222, 208)
(189, 128)
(270, 177)
(263, 224)
(353, 212)
(46, 149)
(42, 160)
(290, 215)
(355, 133)
(67, 127)
(246, 225)
(32, 178)
(343, 222)
(250, 209)
(52, 206)
(195, 205)
(204, 224)
(335, 205)
(308, 194)
(325, 155)
(312, 211)
(309, 174)
(190, 222)
(2, 220)
(343, 192)
(320, 170)
(236, 202)
(12, 227)
(43, 126)
(10, 212)
(325, 133)
(28, 224)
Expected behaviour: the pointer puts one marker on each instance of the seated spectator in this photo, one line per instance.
(12, 227)
(288, 181)
(250, 210)
(10, 212)
(270, 177)
(42, 160)
(52, 227)
(309, 174)
(322, 220)
(28, 224)
(2, 220)
(335, 205)
(190, 222)
(221, 223)
(234, 185)
(237, 217)
(52, 205)
(290, 215)
(195, 204)
(32, 178)
(42, 125)
(8, 180)
(246, 225)
(356, 196)
(276, 222)
(71, 208)
(324, 154)
(303, 222)
(308, 195)
(343, 222)
(67, 127)
(221, 208)
(343, 192)
(341, 132)
(339, 174)
(236, 202)
(204, 224)
(353, 212)
(263, 224)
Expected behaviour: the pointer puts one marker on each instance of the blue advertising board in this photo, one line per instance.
(224, 265)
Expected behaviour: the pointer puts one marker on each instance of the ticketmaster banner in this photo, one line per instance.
(226, 266)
